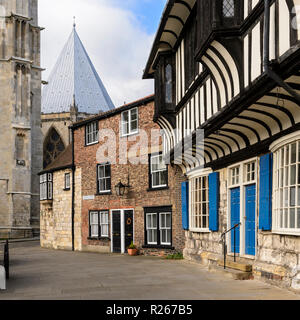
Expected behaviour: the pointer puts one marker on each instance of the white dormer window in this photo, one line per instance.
(91, 133)
(129, 122)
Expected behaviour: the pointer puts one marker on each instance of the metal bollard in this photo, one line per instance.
(6, 259)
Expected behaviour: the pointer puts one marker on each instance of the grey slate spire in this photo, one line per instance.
(75, 75)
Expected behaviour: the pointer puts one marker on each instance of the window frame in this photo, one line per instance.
(107, 191)
(280, 184)
(67, 187)
(87, 134)
(130, 131)
(158, 212)
(46, 183)
(99, 224)
(166, 172)
(192, 215)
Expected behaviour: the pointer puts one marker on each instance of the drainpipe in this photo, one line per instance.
(73, 192)
(271, 73)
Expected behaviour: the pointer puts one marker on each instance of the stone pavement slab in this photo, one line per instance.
(44, 274)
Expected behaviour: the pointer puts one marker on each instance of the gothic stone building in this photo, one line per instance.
(20, 109)
(231, 69)
(73, 92)
(80, 205)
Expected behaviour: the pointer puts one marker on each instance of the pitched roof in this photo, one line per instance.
(63, 161)
(104, 115)
(75, 76)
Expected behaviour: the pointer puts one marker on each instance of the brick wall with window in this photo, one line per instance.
(153, 185)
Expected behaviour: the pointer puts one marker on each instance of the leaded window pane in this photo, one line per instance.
(228, 8)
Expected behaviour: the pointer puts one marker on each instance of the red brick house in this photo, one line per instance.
(133, 196)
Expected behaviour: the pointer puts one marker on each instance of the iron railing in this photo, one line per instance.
(234, 242)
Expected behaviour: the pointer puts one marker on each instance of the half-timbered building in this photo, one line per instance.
(231, 69)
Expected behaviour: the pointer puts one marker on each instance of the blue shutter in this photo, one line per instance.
(185, 205)
(265, 192)
(214, 196)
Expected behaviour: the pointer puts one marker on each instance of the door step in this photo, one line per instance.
(236, 265)
(231, 273)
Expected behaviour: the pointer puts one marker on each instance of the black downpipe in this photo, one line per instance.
(73, 193)
(271, 73)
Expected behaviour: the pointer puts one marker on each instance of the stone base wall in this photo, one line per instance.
(278, 259)
(11, 233)
(56, 215)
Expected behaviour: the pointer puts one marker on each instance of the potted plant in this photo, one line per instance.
(132, 249)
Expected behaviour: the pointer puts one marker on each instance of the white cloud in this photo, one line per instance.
(113, 38)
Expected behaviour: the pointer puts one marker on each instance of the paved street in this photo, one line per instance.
(45, 274)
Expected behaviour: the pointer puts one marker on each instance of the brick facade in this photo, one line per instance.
(138, 196)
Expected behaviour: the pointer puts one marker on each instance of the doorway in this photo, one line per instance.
(122, 233)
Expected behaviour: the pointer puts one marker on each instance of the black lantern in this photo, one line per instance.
(120, 189)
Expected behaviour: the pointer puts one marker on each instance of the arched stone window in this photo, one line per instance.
(53, 146)
(228, 8)
(168, 79)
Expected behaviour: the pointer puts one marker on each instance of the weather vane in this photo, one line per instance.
(74, 23)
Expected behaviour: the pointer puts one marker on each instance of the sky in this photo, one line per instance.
(117, 34)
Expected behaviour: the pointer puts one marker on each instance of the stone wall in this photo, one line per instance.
(278, 259)
(20, 132)
(56, 214)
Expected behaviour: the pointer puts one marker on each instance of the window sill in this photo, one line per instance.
(98, 238)
(91, 144)
(103, 193)
(129, 134)
(47, 201)
(200, 230)
(153, 246)
(66, 189)
(158, 189)
(286, 233)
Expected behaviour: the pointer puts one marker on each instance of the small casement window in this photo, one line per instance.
(104, 178)
(46, 186)
(151, 220)
(159, 228)
(165, 226)
(67, 181)
(99, 224)
(168, 82)
(228, 8)
(91, 133)
(235, 176)
(286, 191)
(199, 204)
(250, 172)
(129, 122)
(158, 172)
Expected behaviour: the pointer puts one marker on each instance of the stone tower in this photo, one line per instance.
(20, 109)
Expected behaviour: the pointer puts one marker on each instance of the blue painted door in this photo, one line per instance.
(250, 205)
(235, 218)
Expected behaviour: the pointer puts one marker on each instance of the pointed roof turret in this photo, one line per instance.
(75, 75)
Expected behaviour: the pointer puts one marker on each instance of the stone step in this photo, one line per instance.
(236, 265)
(231, 273)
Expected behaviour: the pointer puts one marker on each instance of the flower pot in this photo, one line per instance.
(132, 252)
